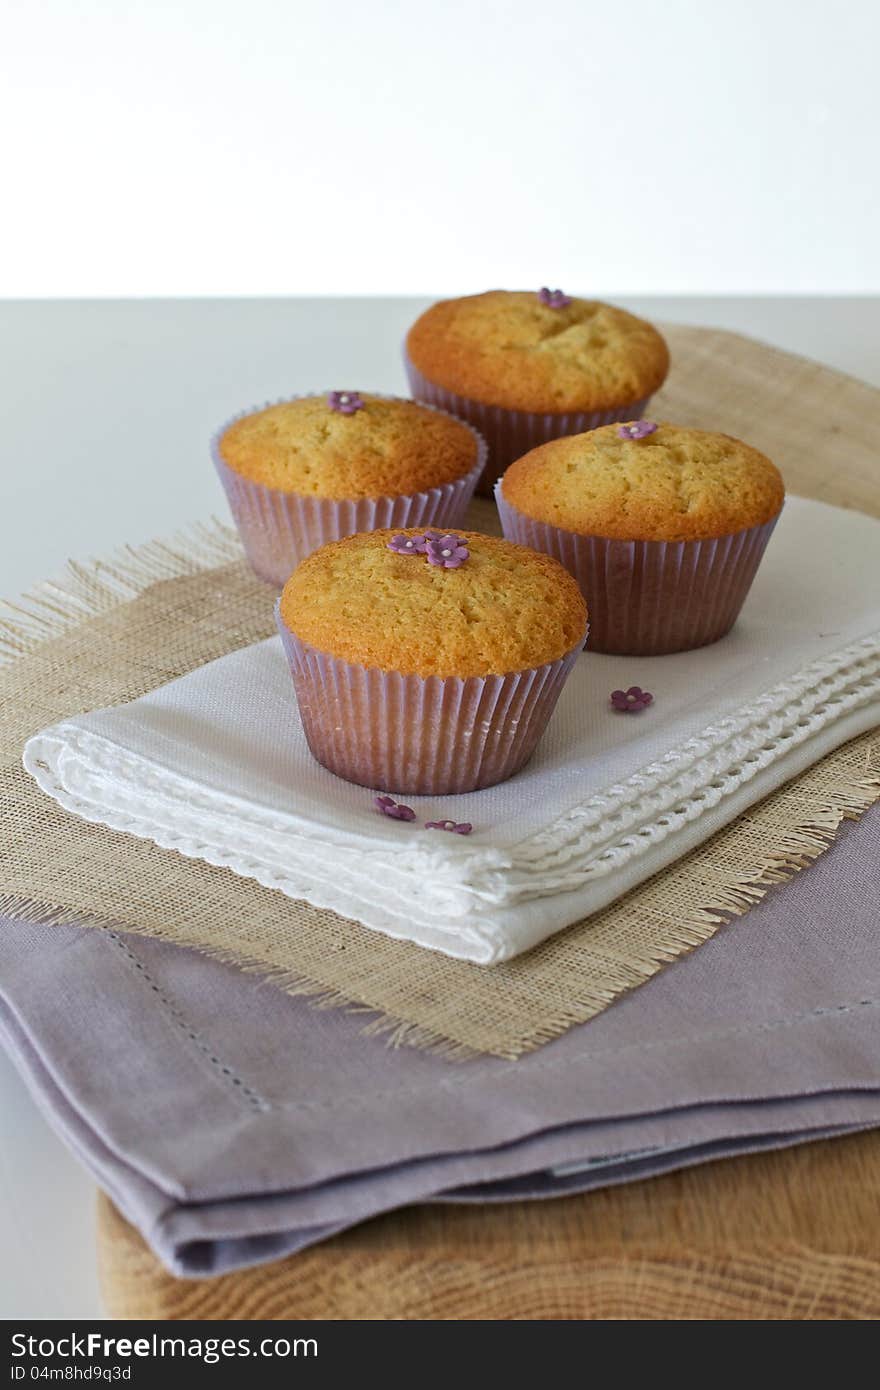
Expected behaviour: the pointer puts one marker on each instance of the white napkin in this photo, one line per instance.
(215, 764)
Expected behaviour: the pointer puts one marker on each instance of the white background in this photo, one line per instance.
(190, 147)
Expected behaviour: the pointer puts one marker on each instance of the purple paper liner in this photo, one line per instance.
(278, 529)
(512, 433)
(420, 736)
(649, 598)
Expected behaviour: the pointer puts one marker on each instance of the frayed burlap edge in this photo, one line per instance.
(89, 589)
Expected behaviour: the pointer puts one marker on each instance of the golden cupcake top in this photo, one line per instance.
(430, 604)
(349, 444)
(646, 481)
(544, 351)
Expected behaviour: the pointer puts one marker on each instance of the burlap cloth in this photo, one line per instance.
(114, 630)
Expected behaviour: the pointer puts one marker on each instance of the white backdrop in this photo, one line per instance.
(337, 146)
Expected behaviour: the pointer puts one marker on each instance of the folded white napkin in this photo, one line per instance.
(215, 764)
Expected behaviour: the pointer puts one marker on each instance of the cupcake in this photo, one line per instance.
(525, 367)
(309, 470)
(663, 528)
(428, 663)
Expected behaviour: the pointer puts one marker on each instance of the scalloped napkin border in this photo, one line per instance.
(215, 767)
(174, 606)
(482, 903)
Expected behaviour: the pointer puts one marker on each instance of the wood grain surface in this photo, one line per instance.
(792, 1234)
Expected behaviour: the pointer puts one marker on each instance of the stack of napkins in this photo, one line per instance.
(234, 1124)
(215, 764)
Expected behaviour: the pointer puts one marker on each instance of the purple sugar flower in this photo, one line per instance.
(448, 551)
(389, 807)
(464, 828)
(408, 545)
(632, 700)
(345, 402)
(636, 429)
(554, 299)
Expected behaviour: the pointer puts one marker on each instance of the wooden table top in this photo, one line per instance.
(790, 1234)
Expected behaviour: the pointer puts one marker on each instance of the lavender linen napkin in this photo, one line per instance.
(233, 1124)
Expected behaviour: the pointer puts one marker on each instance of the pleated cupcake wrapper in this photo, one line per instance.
(416, 736)
(647, 598)
(278, 529)
(512, 433)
